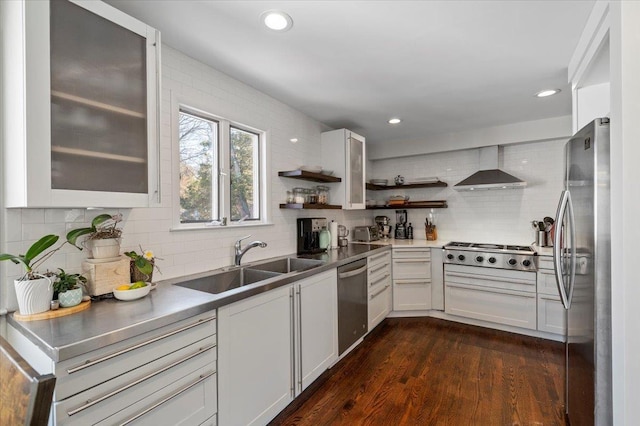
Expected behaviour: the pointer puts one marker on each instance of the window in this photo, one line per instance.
(221, 170)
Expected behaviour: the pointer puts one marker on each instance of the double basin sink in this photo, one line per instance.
(238, 276)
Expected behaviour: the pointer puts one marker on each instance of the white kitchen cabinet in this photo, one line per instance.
(551, 313)
(273, 345)
(256, 358)
(501, 296)
(81, 106)
(411, 279)
(165, 376)
(317, 326)
(343, 152)
(379, 282)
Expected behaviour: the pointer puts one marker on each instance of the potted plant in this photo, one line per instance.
(103, 237)
(142, 265)
(68, 288)
(34, 290)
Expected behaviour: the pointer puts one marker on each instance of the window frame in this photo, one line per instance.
(222, 177)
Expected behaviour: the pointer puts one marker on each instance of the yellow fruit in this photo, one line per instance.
(123, 287)
(137, 284)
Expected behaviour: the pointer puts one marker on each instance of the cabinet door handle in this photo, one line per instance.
(373, 296)
(292, 340)
(93, 402)
(185, 388)
(379, 268)
(373, 284)
(412, 260)
(89, 363)
(300, 336)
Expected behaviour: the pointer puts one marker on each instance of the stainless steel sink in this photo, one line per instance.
(227, 280)
(288, 264)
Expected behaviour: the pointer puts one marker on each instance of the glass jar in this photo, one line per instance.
(299, 195)
(290, 198)
(313, 196)
(323, 194)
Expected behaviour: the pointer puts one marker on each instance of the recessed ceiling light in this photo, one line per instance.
(547, 92)
(276, 20)
(394, 121)
(293, 140)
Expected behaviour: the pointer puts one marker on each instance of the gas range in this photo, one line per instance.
(502, 256)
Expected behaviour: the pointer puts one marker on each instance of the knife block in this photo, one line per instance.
(102, 278)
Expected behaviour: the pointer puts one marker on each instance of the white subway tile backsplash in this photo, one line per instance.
(491, 216)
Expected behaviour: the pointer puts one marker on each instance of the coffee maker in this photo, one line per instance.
(401, 225)
(308, 234)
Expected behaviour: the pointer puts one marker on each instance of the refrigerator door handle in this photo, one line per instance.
(557, 249)
(572, 248)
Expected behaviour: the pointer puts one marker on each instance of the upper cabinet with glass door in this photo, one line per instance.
(81, 86)
(343, 152)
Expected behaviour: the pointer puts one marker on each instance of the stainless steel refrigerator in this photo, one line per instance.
(582, 259)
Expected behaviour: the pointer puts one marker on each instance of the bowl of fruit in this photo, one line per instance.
(132, 291)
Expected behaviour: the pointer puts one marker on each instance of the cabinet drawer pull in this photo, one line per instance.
(90, 363)
(373, 284)
(185, 388)
(412, 260)
(93, 402)
(378, 256)
(379, 268)
(428, 281)
(379, 292)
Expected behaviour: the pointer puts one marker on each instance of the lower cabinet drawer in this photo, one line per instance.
(411, 294)
(502, 307)
(551, 314)
(411, 268)
(177, 389)
(379, 305)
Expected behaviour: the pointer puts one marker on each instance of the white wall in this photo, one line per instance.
(185, 252)
(499, 216)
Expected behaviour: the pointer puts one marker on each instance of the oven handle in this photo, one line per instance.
(489, 278)
(355, 272)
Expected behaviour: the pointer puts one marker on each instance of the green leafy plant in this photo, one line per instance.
(103, 226)
(34, 257)
(65, 282)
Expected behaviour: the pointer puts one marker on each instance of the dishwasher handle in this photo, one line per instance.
(348, 274)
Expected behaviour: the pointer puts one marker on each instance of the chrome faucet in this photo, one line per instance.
(241, 251)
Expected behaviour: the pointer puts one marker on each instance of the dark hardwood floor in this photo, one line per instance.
(426, 371)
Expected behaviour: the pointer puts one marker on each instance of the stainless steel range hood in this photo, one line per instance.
(489, 176)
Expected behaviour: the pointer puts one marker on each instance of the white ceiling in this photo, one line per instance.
(442, 66)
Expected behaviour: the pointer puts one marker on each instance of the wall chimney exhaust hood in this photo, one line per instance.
(489, 176)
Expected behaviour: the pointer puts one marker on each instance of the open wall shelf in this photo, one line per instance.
(438, 184)
(314, 177)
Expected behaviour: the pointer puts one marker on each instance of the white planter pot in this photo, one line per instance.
(70, 298)
(104, 249)
(34, 296)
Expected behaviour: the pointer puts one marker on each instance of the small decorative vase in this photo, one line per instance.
(34, 296)
(104, 249)
(399, 180)
(70, 298)
(137, 275)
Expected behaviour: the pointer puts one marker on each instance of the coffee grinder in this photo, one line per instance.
(401, 225)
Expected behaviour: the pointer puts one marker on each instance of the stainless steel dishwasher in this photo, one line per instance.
(352, 303)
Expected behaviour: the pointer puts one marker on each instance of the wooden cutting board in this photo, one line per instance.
(53, 313)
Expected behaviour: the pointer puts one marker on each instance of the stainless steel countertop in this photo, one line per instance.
(110, 321)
